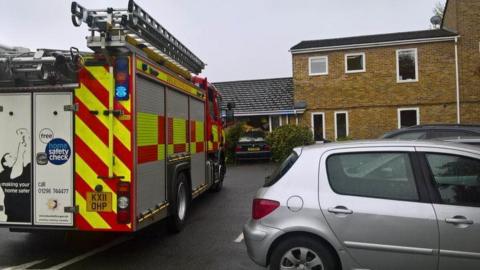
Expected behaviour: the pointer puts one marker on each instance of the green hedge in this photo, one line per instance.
(283, 139)
(344, 139)
(232, 134)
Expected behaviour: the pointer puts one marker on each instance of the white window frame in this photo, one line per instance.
(364, 64)
(317, 58)
(346, 122)
(399, 122)
(270, 123)
(416, 65)
(323, 124)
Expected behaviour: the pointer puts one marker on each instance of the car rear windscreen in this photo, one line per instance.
(281, 170)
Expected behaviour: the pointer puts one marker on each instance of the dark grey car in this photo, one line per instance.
(370, 205)
(466, 140)
(433, 132)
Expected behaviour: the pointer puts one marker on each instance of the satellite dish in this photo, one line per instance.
(436, 20)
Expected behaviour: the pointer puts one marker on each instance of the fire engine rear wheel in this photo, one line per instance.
(180, 204)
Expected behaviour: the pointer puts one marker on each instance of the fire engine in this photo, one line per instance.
(111, 140)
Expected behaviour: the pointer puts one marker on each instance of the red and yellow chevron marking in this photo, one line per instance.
(103, 146)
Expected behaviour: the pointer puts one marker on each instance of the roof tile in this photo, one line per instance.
(258, 95)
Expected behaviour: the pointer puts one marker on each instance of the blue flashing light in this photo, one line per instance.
(121, 92)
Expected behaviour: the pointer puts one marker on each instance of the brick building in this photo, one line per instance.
(362, 87)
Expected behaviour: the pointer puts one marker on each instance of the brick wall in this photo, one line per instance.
(450, 16)
(373, 97)
(463, 16)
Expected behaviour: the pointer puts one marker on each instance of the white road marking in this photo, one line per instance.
(24, 266)
(89, 254)
(239, 238)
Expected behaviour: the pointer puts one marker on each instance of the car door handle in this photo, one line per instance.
(459, 220)
(340, 210)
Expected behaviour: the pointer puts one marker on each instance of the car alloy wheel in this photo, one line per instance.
(301, 258)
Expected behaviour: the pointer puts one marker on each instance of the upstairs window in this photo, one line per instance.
(407, 65)
(354, 62)
(318, 65)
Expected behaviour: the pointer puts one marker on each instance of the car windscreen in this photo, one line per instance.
(281, 170)
(408, 135)
(451, 133)
(253, 136)
(251, 139)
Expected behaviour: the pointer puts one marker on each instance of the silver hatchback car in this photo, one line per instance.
(381, 205)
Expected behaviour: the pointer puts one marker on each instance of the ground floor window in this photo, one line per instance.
(254, 122)
(266, 123)
(318, 126)
(408, 117)
(341, 125)
(274, 122)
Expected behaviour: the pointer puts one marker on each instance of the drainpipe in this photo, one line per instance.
(457, 80)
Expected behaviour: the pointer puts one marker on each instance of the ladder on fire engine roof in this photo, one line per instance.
(136, 27)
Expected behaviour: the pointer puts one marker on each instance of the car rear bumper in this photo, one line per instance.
(253, 155)
(258, 239)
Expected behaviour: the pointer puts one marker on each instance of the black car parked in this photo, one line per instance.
(253, 146)
(434, 132)
(465, 140)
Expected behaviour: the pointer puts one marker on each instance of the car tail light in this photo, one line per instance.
(123, 203)
(266, 147)
(238, 148)
(262, 208)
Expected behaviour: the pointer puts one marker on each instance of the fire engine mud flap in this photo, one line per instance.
(36, 186)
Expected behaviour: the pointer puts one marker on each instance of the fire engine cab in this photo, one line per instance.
(112, 140)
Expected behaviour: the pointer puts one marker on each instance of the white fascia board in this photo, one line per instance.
(373, 45)
(263, 113)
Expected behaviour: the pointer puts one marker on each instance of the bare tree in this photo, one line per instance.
(439, 9)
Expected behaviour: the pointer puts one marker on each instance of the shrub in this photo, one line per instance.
(283, 139)
(343, 139)
(232, 134)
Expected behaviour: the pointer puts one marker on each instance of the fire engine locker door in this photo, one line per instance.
(15, 155)
(53, 169)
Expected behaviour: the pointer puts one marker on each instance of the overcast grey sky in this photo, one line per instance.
(238, 40)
